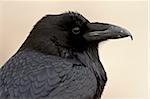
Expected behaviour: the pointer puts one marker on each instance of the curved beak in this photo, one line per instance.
(104, 31)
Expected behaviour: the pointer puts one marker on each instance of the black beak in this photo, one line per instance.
(103, 31)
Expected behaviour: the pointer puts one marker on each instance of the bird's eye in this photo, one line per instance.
(76, 30)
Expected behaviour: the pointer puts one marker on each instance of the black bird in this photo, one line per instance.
(59, 60)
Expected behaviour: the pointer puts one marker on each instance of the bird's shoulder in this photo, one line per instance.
(34, 74)
(29, 62)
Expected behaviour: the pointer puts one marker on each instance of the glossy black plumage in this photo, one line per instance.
(57, 61)
(32, 75)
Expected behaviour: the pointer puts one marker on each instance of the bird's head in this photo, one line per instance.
(71, 31)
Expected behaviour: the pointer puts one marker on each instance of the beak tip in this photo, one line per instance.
(127, 33)
(131, 37)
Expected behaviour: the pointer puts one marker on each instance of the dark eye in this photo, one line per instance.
(76, 30)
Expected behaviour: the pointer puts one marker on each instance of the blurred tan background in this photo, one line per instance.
(125, 61)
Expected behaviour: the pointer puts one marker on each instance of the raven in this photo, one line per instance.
(59, 60)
